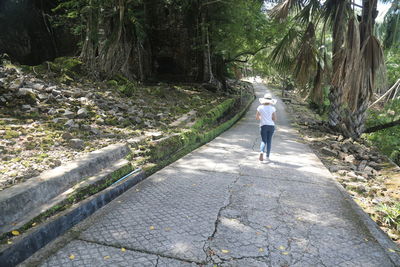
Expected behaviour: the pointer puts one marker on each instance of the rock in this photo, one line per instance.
(67, 93)
(340, 138)
(362, 165)
(71, 124)
(334, 168)
(56, 92)
(69, 114)
(375, 165)
(360, 178)
(26, 108)
(25, 92)
(38, 86)
(77, 143)
(369, 171)
(138, 120)
(67, 136)
(16, 84)
(84, 100)
(123, 107)
(349, 158)
(3, 100)
(55, 163)
(351, 175)
(58, 120)
(357, 187)
(342, 155)
(352, 167)
(345, 148)
(95, 131)
(52, 111)
(363, 156)
(336, 147)
(82, 113)
(50, 89)
(100, 121)
(78, 93)
(42, 97)
(329, 152)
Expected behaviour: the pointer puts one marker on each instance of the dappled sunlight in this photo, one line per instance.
(235, 224)
(181, 247)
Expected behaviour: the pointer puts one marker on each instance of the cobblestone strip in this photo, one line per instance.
(82, 253)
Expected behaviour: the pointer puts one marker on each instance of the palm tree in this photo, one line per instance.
(357, 57)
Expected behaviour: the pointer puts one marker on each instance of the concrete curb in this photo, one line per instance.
(38, 238)
(19, 200)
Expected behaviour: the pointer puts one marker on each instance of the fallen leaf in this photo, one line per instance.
(123, 249)
(194, 184)
(366, 239)
(281, 248)
(268, 226)
(9, 242)
(15, 232)
(285, 253)
(119, 201)
(261, 250)
(391, 250)
(106, 257)
(33, 224)
(167, 229)
(72, 256)
(224, 251)
(258, 233)
(137, 189)
(152, 228)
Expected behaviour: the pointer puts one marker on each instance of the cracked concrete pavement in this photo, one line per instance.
(219, 206)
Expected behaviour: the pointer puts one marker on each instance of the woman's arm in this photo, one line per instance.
(258, 116)
(274, 116)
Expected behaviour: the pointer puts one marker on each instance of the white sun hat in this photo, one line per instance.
(267, 99)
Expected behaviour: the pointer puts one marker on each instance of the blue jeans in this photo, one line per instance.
(266, 136)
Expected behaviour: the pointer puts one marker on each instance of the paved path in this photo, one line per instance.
(220, 206)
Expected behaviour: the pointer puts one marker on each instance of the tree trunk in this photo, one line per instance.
(336, 92)
(354, 122)
(382, 126)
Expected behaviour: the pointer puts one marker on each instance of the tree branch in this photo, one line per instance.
(245, 53)
(382, 126)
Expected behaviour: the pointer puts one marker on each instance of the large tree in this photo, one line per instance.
(356, 55)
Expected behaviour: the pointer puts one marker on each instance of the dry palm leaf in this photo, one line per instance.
(281, 10)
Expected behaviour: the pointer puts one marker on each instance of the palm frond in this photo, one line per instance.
(307, 57)
(281, 10)
(373, 62)
(283, 55)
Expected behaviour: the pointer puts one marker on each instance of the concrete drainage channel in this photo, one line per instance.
(25, 202)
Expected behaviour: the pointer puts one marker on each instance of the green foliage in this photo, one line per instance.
(390, 215)
(387, 140)
(123, 85)
(393, 65)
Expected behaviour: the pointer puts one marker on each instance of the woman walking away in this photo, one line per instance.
(266, 114)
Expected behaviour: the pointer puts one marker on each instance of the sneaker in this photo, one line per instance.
(261, 156)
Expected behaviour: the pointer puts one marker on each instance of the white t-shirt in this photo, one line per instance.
(266, 112)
